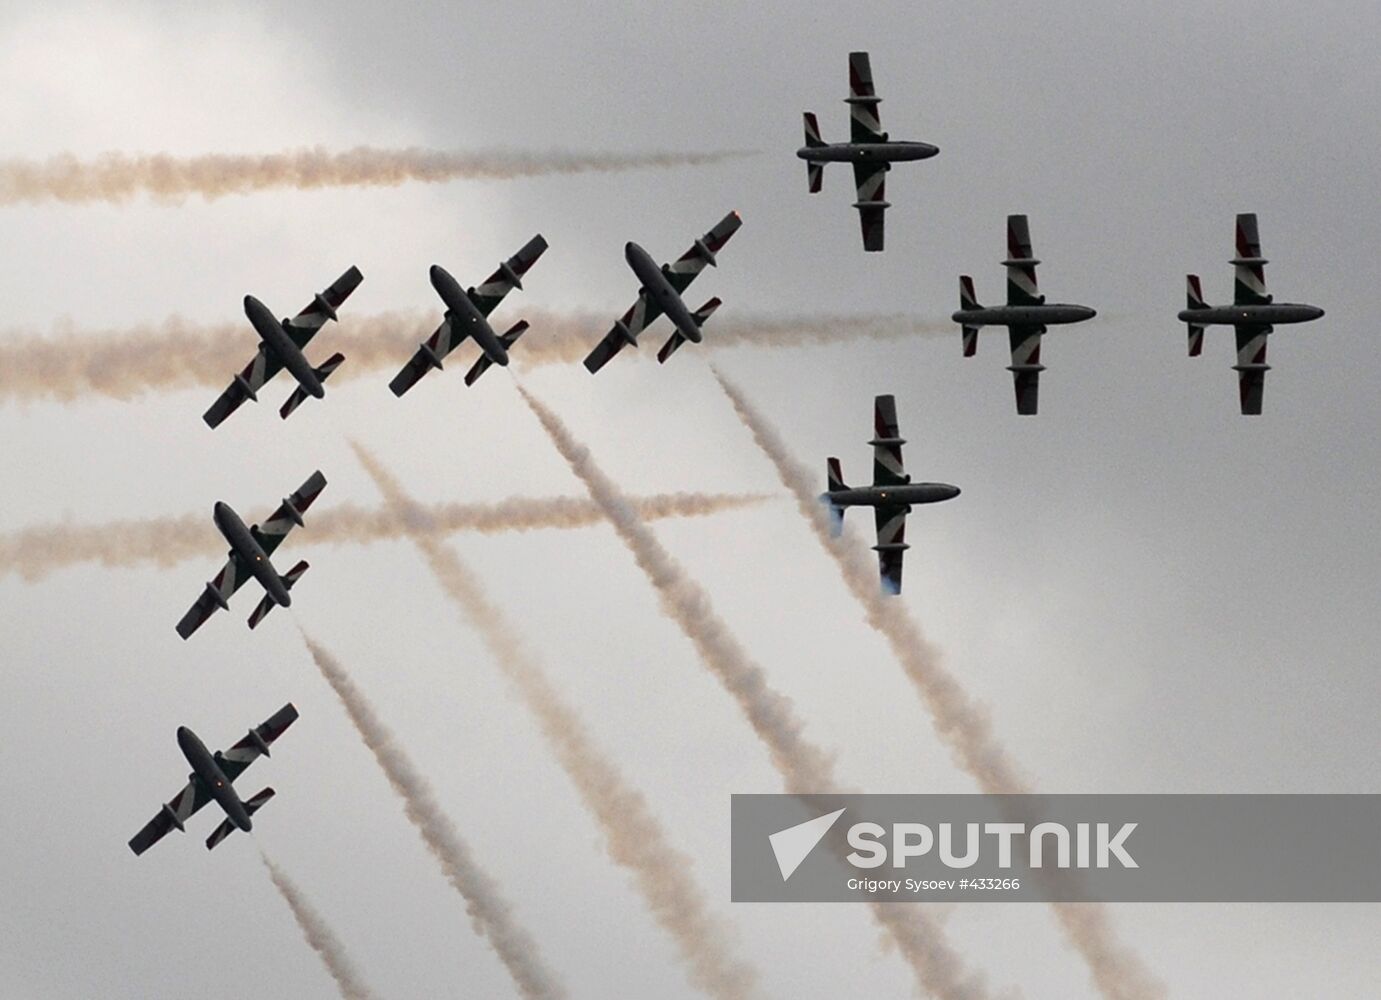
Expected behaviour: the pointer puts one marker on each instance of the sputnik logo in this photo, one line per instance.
(794, 844)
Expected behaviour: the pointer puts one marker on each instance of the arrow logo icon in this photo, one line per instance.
(794, 844)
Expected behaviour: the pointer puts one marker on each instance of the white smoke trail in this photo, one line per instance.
(1118, 973)
(805, 768)
(489, 913)
(34, 552)
(319, 935)
(633, 836)
(117, 177)
(68, 363)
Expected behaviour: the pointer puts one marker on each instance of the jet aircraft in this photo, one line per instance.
(1026, 315)
(1253, 314)
(281, 346)
(250, 549)
(869, 149)
(212, 778)
(467, 315)
(891, 496)
(661, 293)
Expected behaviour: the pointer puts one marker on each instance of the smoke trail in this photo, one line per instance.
(69, 363)
(633, 836)
(805, 767)
(34, 552)
(489, 913)
(117, 177)
(319, 935)
(1118, 973)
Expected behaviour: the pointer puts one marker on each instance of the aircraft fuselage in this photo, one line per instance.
(271, 331)
(206, 769)
(1262, 314)
(887, 496)
(868, 152)
(465, 317)
(244, 545)
(659, 289)
(1033, 315)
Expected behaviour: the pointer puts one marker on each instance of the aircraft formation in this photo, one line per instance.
(661, 290)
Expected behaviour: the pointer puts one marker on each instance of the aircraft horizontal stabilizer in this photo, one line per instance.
(299, 395)
(267, 604)
(226, 827)
(508, 338)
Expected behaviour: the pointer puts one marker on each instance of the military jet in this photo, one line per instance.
(212, 777)
(869, 149)
(467, 315)
(661, 293)
(281, 347)
(250, 549)
(1026, 315)
(891, 496)
(1253, 314)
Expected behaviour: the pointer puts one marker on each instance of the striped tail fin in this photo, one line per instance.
(252, 806)
(299, 395)
(1195, 297)
(815, 170)
(834, 479)
(968, 300)
(508, 338)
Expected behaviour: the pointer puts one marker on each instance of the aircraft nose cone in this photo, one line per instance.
(954, 491)
(318, 392)
(1318, 313)
(434, 272)
(1089, 313)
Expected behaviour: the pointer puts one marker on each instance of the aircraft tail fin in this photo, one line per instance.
(299, 395)
(835, 475)
(815, 169)
(834, 479)
(294, 574)
(700, 316)
(968, 300)
(508, 338)
(1195, 297)
(267, 603)
(226, 828)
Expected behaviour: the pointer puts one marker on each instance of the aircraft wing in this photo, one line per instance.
(865, 125)
(256, 742)
(245, 386)
(1251, 366)
(272, 532)
(683, 270)
(303, 327)
(1249, 267)
(888, 469)
(215, 595)
(625, 332)
(174, 814)
(1026, 366)
(487, 296)
(1021, 264)
(428, 356)
(870, 185)
(891, 546)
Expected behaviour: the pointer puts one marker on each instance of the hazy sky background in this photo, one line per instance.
(1149, 592)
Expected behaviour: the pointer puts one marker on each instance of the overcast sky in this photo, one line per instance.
(1148, 591)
